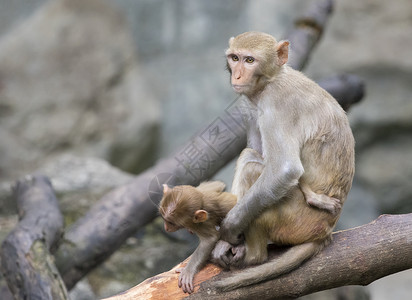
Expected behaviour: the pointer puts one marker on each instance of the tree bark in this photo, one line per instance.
(307, 31)
(356, 256)
(26, 261)
(121, 212)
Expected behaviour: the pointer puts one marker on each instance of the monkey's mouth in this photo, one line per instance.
(238, 87)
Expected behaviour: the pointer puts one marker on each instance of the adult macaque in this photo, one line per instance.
(200, 210)
(307, 146)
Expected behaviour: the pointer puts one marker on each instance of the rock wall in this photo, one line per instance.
(70, 82)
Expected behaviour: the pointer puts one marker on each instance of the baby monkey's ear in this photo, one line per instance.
(166, 189)
(200, 216)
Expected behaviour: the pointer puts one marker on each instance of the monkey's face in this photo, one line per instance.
(178, 205)
(253, 59)
(171, 227)
(245, 72)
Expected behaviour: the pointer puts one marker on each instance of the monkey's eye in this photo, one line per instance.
(250, 59)
(235, 58)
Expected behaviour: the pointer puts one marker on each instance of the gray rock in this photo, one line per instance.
(360, 208)
(395, 286)
(77, 181)
(382, 125)
(70, 173)
(82, 291)
(386, 168)
(341, 293)
(70, 81)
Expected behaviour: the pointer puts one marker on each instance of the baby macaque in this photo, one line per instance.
(200, 210)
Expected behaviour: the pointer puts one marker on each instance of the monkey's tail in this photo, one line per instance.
(286, 262)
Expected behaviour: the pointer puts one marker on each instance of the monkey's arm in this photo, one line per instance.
(282, 170)
(198, 259)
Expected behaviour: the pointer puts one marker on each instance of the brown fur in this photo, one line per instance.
(200, 210)
(307, 146)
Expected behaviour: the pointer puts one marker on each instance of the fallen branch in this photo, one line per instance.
(357, 256)
(26, 261)
(121, 212)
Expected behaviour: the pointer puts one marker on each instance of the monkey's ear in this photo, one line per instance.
(166, 189)
(200, 216)
(282, 51)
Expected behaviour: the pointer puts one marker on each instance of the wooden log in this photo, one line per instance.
(164, 285)
(357, 256)
(26, 261)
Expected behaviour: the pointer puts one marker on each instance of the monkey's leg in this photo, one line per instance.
(196, 262)
(288, 261)
(249, 166)
(221, 254)
(256, 245)
(253, 251)
(321, 201)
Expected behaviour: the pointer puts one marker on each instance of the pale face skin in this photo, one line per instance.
(243, 66)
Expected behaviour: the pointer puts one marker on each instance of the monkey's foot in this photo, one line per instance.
(239, 253)
(227, 255)
(221, 254)
(330, 204)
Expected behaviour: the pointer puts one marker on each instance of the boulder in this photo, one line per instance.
(70, 82)
(77, 181)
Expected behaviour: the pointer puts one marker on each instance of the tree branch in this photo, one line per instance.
(121, 212)
(357, 256)
(26, 261)
(307, 31)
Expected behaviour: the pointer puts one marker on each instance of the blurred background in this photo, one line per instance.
(109, 87)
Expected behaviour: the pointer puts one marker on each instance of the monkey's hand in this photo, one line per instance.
(229, 231)
(185, 280)
(226, 255)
